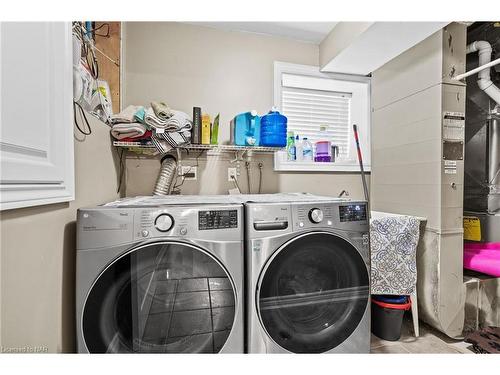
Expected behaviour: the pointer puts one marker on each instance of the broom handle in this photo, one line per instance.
(360, 159)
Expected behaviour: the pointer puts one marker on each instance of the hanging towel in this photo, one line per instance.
(161, 110)
(125, 116)
(394, 241)
(128, 130)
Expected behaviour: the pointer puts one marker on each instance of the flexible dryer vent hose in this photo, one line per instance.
(166, 176)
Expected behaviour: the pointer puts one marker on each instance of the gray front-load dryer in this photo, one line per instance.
(307, 277)
(160, 278)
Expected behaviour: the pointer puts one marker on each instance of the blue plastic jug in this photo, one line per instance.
(273, 129)
(245, 129)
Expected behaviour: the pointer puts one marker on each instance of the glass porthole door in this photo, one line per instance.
(313, 293)
(164, 297)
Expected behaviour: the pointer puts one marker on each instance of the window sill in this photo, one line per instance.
(297, 166)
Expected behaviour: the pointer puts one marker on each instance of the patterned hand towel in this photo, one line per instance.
(161, 110)
(394, 241)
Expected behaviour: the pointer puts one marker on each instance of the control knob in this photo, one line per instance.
(164, 222)
(316, 215)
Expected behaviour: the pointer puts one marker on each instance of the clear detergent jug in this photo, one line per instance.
(273, 129)
(245, 129)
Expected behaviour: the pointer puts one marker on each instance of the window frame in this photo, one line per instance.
(281, 164)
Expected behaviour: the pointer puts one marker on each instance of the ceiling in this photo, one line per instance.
(312, 32)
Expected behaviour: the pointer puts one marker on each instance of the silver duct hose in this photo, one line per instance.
(166, 176)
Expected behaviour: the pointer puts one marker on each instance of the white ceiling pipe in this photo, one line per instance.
(478, 69)
(484, 80)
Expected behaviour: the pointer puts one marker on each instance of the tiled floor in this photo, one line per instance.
(430, 341)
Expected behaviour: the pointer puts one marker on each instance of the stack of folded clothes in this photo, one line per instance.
(124, 124)
(165, 127)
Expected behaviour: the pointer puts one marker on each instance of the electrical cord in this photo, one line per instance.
(236, 183)
(261, 165)
(247, 166)
(176, 188)
(87, 49)
(121, 172)
(107, 35)
(84, 116)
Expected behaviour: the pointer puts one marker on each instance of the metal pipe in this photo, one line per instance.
(484, 50)
(478, 69)
(166, 176)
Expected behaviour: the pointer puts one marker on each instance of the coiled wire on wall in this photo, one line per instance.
(168, 170)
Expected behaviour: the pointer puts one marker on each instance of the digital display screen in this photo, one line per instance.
(221, 219)
(352, 212)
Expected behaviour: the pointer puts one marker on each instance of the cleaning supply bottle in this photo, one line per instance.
(245, 129)
(298, 149)
(307, 150)
(290, 149)
(273, 129)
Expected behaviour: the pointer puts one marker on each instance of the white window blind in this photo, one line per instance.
(318, 115)
(323, 106)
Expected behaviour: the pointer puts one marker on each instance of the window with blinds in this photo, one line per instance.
(318, 115)
(323, 106)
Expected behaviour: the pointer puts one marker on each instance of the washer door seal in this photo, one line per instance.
(166, 297)
(313, 293)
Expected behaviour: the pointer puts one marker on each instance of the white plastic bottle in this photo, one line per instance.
(299, 156)
(307, 150)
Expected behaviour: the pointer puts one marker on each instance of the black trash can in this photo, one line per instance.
(387, 316)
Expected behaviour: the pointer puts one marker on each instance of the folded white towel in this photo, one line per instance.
(126, 130)
(179, 121)
(152, 120)
(127, 115)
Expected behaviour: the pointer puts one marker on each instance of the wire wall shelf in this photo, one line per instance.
(214, 148)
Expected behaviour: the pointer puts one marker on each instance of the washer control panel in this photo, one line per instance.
(217, 219)
(352, 212)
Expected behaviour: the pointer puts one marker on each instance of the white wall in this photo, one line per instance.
(37, 253)
(221, 71)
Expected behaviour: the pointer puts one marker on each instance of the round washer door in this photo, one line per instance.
(166, 297)
(313, 293)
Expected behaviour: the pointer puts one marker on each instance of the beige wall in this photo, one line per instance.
(37, 253)
(343, 34)
(221, 71)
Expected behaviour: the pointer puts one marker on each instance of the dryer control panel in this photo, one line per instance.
(217, 219)
(202, 222)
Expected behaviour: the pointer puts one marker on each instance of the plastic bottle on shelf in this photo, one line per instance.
(273, 129)
(307, 150)
(298, 149)
(291, 150)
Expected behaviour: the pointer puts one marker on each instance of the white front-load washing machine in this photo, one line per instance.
(159, 278)
(307, 277)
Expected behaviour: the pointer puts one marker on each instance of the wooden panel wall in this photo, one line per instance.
(110, 45)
